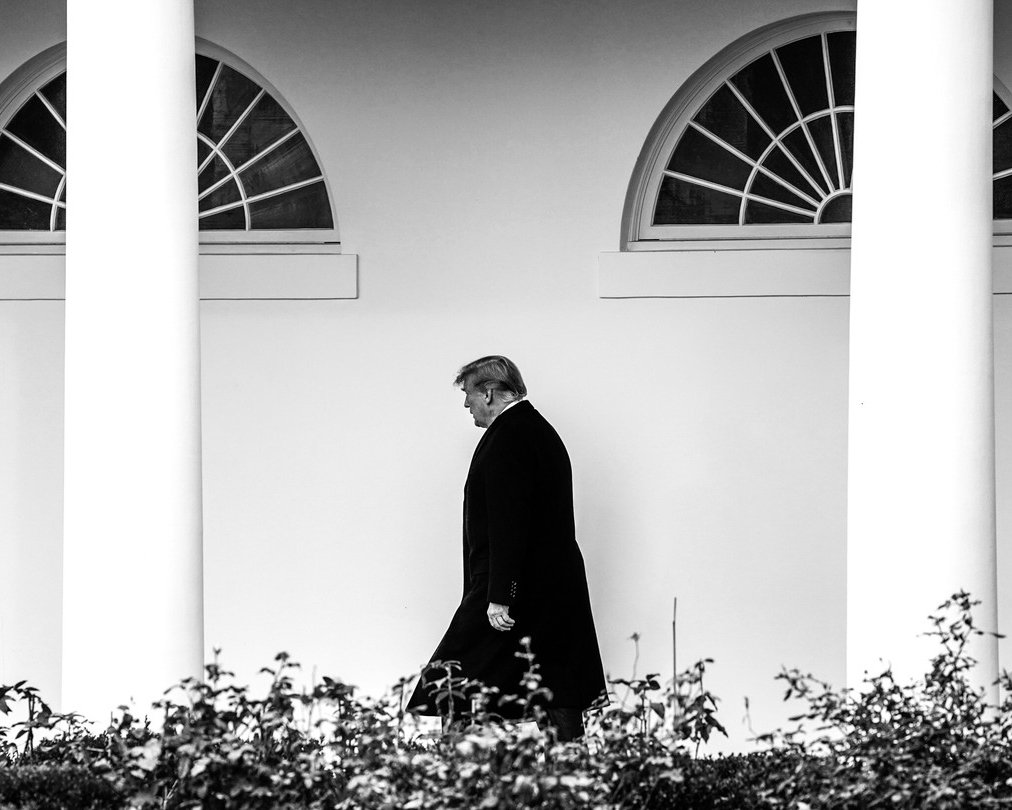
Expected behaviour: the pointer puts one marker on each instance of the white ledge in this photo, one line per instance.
(749, 272)
(223, 276)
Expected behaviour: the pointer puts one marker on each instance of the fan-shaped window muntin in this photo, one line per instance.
(257, 171)
(752, 178)
(33, 182)
(255, 168)
(790, 164)
(810, 200)
(1001, 140)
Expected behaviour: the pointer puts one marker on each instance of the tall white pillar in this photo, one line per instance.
(132, 598)
(921, 505)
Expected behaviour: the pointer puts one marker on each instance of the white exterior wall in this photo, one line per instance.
(479, 155)
(31, 493)
(31, 433)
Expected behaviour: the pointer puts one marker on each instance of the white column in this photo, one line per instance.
(921, 505)
(132, 599)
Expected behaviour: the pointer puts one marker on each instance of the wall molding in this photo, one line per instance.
(749, 273)
(233, 275)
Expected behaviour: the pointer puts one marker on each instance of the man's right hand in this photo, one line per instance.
(499, 617)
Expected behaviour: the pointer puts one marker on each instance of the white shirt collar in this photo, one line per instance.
(510, 405)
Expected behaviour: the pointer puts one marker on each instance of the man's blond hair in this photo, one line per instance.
(494, 372)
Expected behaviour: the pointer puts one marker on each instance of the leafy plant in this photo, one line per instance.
(933, 743)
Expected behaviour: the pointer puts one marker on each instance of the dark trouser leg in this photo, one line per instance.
(568, 723)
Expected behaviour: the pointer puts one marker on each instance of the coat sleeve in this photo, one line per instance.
(509, 501)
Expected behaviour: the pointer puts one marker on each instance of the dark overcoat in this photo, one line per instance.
(520, 550)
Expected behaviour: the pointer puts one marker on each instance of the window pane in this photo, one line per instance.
(266, 123)
(1002, 146)
(821, 130)
(205, 72)
(838, 209)
(35, 125)
(61, 219)
(230, 97)
(756, 213)
(845, 123)
(841, 60)
(289, 163)
(998, 107)
(203, 150)
(213, 172)
(724, 116)
(686, 203)
(20, 168)
(232, 220)
(221, 196)
(56, 94)
(19, 213)
(802, 64)
(760, 84)
(698, 156)
(798, 146)
(305, 207)
(778, 163)
(766, 187)
(1002, 198)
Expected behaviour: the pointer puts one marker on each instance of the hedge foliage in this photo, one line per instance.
(933, 743)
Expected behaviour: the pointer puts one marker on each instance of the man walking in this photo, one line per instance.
(523, 571)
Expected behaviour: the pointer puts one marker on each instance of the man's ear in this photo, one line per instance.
(489, 395)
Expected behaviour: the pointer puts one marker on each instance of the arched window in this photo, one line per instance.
(33, 157)
(256, 168)
(759, 142)
(773, 144)
(257, 171)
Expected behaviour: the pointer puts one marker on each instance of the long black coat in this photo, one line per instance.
(520, 550)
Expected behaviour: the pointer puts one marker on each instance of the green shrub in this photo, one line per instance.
(930, 744)
(56, 786)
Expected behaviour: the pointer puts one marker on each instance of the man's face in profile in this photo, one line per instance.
(474, 401)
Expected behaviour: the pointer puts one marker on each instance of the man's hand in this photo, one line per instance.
(499, 617)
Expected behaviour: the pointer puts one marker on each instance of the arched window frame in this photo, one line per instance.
(717, 261)
(15, 90)
(45, 66)
(638, 230)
